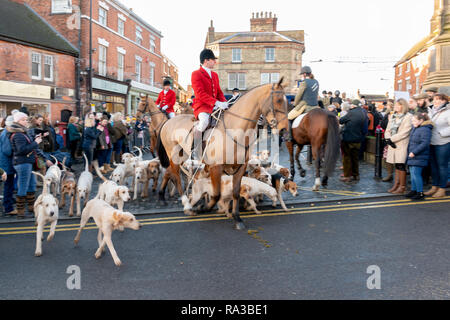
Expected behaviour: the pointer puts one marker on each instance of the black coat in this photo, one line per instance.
(354, 122)
(23, 146)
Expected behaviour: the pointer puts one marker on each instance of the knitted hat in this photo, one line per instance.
(19, 116)
(9, 121)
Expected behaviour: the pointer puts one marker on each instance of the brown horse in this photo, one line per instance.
(230, 142)
(148, 107)
(318, 128)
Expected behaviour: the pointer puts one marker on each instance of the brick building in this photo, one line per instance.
(170, 72)
(126, 51)
(428, 62)
(37, 66)
(259, 56)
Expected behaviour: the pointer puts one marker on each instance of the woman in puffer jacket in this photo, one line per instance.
(419, 153)
(24, 157)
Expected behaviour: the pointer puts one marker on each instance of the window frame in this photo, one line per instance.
(266, 54)
(139, 37)
(233, 60)
(102, 64)
(51, 78)
(100, 9)
(138, 75)
(238, 80)
(270, 77)
(39, 77)
(152, 73)
(120, 70)
(120, 22)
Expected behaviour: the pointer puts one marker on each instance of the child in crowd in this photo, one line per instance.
(419, 153)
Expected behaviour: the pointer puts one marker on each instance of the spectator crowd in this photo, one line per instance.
(30, 144)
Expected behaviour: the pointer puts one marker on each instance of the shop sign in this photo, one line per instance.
(109, 86)
(14, 89)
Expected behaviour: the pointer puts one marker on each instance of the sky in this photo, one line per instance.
(378, 32)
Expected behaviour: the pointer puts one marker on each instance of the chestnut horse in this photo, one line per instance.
(231, 134)
(318, 128)
(148, 107)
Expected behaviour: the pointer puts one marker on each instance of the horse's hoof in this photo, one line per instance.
(303, 173)
(315, 188)
(240, 226)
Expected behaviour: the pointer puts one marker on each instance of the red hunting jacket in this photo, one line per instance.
(168, 99)
(207, 91)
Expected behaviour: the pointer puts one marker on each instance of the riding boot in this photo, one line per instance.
(197, 145)
(402, 183)
(288, 135)
(21, 207)
(31, 198)
(397, 182)
(390, 170)
(113, 157)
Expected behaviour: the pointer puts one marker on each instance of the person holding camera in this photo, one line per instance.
(397, 137)
(24, 151)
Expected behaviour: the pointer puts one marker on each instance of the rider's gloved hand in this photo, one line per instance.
(222, 105)
(165, 108)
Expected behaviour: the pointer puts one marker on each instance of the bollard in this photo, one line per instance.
(379, 153)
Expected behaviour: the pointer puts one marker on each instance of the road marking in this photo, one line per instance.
(338, 192)
(219, 215)
(374, 205)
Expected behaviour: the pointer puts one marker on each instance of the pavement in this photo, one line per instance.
(321, 251)
(367, 188)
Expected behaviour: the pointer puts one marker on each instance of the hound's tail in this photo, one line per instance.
(162, 153)
(87, 162)
(97, 169)
(141, 155)
(332, 149)
(46, 187)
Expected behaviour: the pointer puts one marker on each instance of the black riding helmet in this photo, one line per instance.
(207, 54)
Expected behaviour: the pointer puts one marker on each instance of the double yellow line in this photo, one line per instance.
(216, 217)
(338, 192)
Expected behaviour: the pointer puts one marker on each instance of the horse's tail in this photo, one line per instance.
(162, 153)
(332, 149)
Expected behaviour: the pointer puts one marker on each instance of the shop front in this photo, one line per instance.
(137, 90)
(109, 95)
(35, 98)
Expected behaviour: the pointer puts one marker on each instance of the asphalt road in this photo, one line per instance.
(311, 252)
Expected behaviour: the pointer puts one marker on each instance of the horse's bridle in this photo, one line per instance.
(155, 131)
(273, 110)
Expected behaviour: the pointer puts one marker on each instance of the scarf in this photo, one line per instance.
(397, 120)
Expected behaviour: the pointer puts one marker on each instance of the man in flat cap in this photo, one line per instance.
(422, 102)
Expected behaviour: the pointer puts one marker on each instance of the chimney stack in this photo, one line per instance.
(263, 22)
(211, 33)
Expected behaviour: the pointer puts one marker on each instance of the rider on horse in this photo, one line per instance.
(307, 97)
(166, 100)
(208, 97)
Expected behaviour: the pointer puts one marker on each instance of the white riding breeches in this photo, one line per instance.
(203, 121)
(171, 115)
